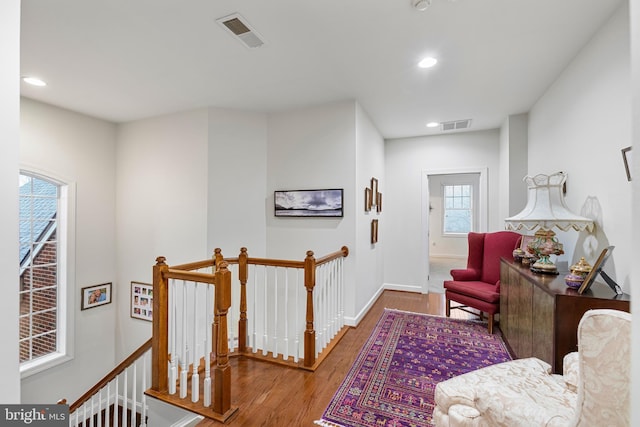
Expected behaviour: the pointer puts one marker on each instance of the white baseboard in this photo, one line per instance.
(448, 256)
(190, 420)
(354, 321)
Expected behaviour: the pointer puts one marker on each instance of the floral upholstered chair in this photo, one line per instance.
(594, 389)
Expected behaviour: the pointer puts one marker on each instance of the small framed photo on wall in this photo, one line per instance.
(93, 296)
(141, 301)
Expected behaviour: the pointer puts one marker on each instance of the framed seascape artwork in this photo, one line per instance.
(141, 301)
(308, 203)
(93, 296)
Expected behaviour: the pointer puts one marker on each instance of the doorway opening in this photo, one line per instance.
(455, 204)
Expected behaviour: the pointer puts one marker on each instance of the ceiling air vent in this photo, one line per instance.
(456, 124)
(240, 29)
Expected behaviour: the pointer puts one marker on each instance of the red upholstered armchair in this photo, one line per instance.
(478, 286)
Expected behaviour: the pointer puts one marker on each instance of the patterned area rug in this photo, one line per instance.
(393, 379)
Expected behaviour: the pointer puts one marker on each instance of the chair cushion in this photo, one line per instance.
(478, 290)
(517, 393)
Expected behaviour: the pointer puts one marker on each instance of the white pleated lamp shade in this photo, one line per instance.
(546, 207)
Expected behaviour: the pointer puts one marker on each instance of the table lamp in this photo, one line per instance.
(546, 209)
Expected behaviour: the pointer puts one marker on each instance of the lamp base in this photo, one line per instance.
(544, 271)
(544, 245)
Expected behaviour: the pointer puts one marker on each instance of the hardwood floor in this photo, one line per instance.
(271, 395)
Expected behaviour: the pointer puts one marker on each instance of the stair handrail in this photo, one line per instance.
(130, 360)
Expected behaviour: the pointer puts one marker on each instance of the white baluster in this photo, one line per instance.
(275, 312)
(296, 354)
(173, 313)
(134, 408)
(116, 403)
(265, 336)
(183, 354)
(125, 396)
(285, 354)
(208, 347)
(91, 420)
(195, 377)
(332, 298)
(143, 415)
(107, 415)
(254, 316)
(99, 418)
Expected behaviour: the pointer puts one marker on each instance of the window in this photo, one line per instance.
(42, 271)
(458, 208)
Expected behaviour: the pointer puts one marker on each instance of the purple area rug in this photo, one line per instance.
(393, 379)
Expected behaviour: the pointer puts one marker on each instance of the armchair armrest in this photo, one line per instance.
(570, 370)
(466, 274)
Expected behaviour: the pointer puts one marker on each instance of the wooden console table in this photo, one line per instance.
(539, 314)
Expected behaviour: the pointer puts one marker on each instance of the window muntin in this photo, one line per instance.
(39, 268)
(458, 209)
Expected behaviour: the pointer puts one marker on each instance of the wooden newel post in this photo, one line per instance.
(222, 371)
(218, 258)
(160, 341)
(243, 274)
(309, 333)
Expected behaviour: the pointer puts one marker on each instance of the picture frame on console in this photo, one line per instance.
(597, 269)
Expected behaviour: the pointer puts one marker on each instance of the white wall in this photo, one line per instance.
(312, 148)
(407, 161)
(367, 258)
(162, 171)
(513, 164)
(237, 193)
(10, 137)
(81, 150)
(579, 126)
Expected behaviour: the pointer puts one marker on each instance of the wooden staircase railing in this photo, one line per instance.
(193, 338)
(216, 395)
(311, 359)
(86, 408)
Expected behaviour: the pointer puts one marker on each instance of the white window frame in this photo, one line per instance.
(472, 209)
(66, 275)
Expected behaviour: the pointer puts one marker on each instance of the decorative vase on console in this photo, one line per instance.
(544, 245)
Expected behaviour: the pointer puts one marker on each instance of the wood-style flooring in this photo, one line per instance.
(270, 395)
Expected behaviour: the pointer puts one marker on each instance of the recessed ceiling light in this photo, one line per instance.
(433, 124)
(427, 62)
(34, 81)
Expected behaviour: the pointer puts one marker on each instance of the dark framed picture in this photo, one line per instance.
(596, 269)
(626, 159)
(142, 301)
(374, 190)
(308, 203)
(94, 296)
(374, 231)
(367, 200)
(379, 202)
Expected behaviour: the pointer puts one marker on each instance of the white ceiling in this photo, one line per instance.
(123, 60)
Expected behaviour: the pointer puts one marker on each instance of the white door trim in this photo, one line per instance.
(483, 222)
